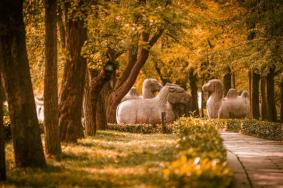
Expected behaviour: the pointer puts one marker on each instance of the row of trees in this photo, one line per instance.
(80, 23)
(106, 44)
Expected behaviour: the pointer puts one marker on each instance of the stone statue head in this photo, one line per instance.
(177, 95)
(214, 86)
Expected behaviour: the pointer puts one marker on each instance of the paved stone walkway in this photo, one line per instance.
(256, 162)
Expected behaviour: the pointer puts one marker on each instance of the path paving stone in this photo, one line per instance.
(257, 163)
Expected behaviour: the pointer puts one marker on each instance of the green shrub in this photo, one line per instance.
(139, 128)
(262, 129)
(202, 157)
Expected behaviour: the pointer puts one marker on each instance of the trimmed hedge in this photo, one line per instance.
(202, 157)
(252, 127)
(262, 129)
(139, 128)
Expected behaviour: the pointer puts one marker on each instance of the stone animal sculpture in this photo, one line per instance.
(148, 111)
(181, 109)
(232, 106)
(39, 104)
(149, 87)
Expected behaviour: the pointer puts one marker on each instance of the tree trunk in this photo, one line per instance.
(158, 70)
(14, 63)
(281, 98)
(234, 80)
(271, 109)
(61, 27)
(89, 119)
(101, 122)
(3, 175)
(194, 92)
(71, 96)
(51, 129)
(227, 81)
(250, 90)
(97, 80)
(255, 95)
(263, 98)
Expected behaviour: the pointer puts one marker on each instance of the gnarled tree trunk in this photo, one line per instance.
(255, 95)
(14, 64)
(72, 88)
(51, 128)
(97, 80)
(271, 108)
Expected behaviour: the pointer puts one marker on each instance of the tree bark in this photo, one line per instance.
(250, 90)
(116, 96)
(158, 70)
(3, 175)
(263, 98)
(89, 118)
(14, 63)
(72, 88)
(61, 27)
(101, 122)
(271, 108)
(281, 98)
(51, 129)
(234, 80)
(227, 81)
(97, 80)
(255, 95)
(194, 92)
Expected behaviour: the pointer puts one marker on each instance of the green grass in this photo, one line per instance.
(110, 159)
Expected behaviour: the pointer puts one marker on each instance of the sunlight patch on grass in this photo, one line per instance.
(110, 159)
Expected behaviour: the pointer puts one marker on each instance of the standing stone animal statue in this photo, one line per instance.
(149, 87)
(148, 111)
(39, 104)
(232, 106)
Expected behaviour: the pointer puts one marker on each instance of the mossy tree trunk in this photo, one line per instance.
(72, 88)
(255, 95)
(51, 129)
(271, 108)
(3, 175)
(15, 68)
(263, 98)
(194, 91)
